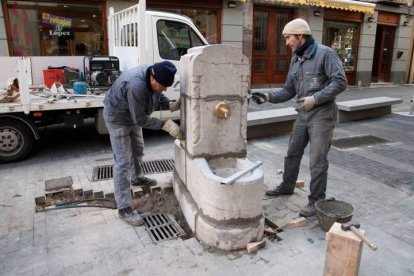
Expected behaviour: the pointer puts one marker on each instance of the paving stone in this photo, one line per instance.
(376, 180)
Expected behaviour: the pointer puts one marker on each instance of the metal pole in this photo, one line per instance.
(234, 177)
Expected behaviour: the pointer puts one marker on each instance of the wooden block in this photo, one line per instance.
(299, 222)
(254, 246)
(300, 183)
(343, 253)
(269, 231)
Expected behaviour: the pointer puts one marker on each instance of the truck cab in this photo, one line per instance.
(166, 36)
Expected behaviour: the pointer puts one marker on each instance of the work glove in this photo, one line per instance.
(308, 103)
(260, 97)
(173, 129)
(174, 106)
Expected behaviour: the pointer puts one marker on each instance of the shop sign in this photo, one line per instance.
(59, 31)
(349, 5)
(56, 20)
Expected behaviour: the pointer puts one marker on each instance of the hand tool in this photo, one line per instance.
(354, 228)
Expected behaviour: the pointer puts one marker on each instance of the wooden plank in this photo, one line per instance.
(299, 222)
(343, 254)
(300, 183)
(254, 246)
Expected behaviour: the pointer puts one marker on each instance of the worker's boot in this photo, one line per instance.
(144, 181)
(278, 191)
(129, 216)
(308, 211)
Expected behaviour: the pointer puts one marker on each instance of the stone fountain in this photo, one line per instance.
(219, 190)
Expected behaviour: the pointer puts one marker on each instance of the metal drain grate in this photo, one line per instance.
(158, 166)
(103, 172)
(162, 227)
(148, 167)
(358, 141)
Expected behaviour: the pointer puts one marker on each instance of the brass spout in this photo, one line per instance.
(222, 110)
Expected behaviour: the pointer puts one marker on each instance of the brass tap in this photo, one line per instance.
(222, 110)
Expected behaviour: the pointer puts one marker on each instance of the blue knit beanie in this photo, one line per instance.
(164, 72)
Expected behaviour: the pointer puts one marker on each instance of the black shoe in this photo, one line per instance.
(278, 192)
(144, 181)
(308, 211)
(130, 217)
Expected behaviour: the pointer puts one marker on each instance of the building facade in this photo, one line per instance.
(374, 39)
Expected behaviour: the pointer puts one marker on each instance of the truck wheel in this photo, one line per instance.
(16, 140)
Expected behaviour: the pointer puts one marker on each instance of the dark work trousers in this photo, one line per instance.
(128, 149)
(316, 127)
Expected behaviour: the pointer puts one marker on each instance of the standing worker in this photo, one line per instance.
(127, 108)
(315, 77)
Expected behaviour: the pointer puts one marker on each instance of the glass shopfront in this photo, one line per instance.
(55, 29)
(345, 35)
(343, 29)
(72, 28)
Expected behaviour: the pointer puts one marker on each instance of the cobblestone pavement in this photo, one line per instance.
(377, 180)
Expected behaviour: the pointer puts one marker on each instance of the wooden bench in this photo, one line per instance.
(270, 122)
(365, 108)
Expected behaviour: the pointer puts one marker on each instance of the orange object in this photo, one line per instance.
(52, 75)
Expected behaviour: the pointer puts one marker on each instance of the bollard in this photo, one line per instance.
(412, 106)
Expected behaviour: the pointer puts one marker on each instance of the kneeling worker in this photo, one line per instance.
(127, 108)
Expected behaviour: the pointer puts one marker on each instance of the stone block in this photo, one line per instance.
(179, 159)
(242, 199)
(99, 194)
(207, 71)
(207, 134)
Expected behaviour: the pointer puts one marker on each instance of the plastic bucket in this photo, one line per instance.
(329, 211)
(80, 87)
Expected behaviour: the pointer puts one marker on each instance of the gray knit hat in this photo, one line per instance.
(297, 26)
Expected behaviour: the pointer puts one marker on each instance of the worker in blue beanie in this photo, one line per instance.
(127, 108)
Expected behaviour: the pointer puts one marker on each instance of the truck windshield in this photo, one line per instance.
(175, 38)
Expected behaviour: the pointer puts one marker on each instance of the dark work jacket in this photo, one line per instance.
(130, 100)
(318, 72)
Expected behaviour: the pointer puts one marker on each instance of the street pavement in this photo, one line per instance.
(377, 180)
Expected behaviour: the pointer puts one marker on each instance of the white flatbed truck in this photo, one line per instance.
(161, 36)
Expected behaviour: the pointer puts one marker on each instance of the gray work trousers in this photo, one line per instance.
(128, 149)
(316, 127)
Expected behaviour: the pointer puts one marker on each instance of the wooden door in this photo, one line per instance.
(271, 57)
(384, 47)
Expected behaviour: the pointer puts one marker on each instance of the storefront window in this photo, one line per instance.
(344, 35)
(205, 21)
(54, 29)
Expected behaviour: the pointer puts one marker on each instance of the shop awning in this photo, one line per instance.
(348, 5)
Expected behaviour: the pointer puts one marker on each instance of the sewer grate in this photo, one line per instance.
(103, 172)
(358, 141)
(148, 167)
(162, 227)
(158, 166)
